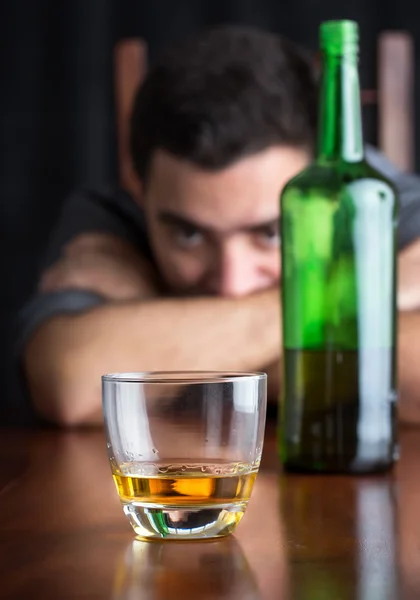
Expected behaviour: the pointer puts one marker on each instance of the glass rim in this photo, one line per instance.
(186, 377)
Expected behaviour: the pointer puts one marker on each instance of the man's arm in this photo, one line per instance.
(409, 333)
(103, 264)
(409, 367)
(135, 330)
(66, 357)
(54, 350)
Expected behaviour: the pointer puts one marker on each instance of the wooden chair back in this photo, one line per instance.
(396, 98)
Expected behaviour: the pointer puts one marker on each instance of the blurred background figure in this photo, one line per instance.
(59, 110)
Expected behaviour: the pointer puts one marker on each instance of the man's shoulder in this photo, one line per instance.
(108, 210)
(380, 162)
(407, 186)
(105, 208)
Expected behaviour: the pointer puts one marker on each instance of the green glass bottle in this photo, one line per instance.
(338, 226)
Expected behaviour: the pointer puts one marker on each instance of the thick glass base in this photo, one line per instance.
(151, 521)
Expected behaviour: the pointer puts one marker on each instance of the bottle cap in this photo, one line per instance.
(339, 37)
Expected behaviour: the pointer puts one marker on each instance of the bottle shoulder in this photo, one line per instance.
(335, 179)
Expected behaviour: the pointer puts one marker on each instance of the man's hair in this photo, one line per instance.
(223, 94)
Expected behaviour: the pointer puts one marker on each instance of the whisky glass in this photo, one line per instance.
(184, 449)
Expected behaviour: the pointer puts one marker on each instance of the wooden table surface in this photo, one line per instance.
(63, 533)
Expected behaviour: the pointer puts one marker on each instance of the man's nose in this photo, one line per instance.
(238, 275)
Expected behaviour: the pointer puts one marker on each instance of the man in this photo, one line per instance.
(185, 275)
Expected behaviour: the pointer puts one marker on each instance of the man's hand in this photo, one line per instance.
(104, 264)
(409, 278)
(409, 333)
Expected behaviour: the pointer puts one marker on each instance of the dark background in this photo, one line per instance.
(56, 102)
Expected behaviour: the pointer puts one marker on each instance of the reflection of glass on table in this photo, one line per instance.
(158, 571)
(184, 449)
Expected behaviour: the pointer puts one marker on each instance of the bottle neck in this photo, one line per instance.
(340, 136)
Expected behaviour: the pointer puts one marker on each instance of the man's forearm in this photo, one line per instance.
(66, 358)
(409, 367)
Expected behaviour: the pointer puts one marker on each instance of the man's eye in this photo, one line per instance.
(187, 237)
(268, 236)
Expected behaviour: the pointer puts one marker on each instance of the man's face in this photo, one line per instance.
(217, 232)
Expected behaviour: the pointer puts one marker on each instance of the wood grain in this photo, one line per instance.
(63, 534)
